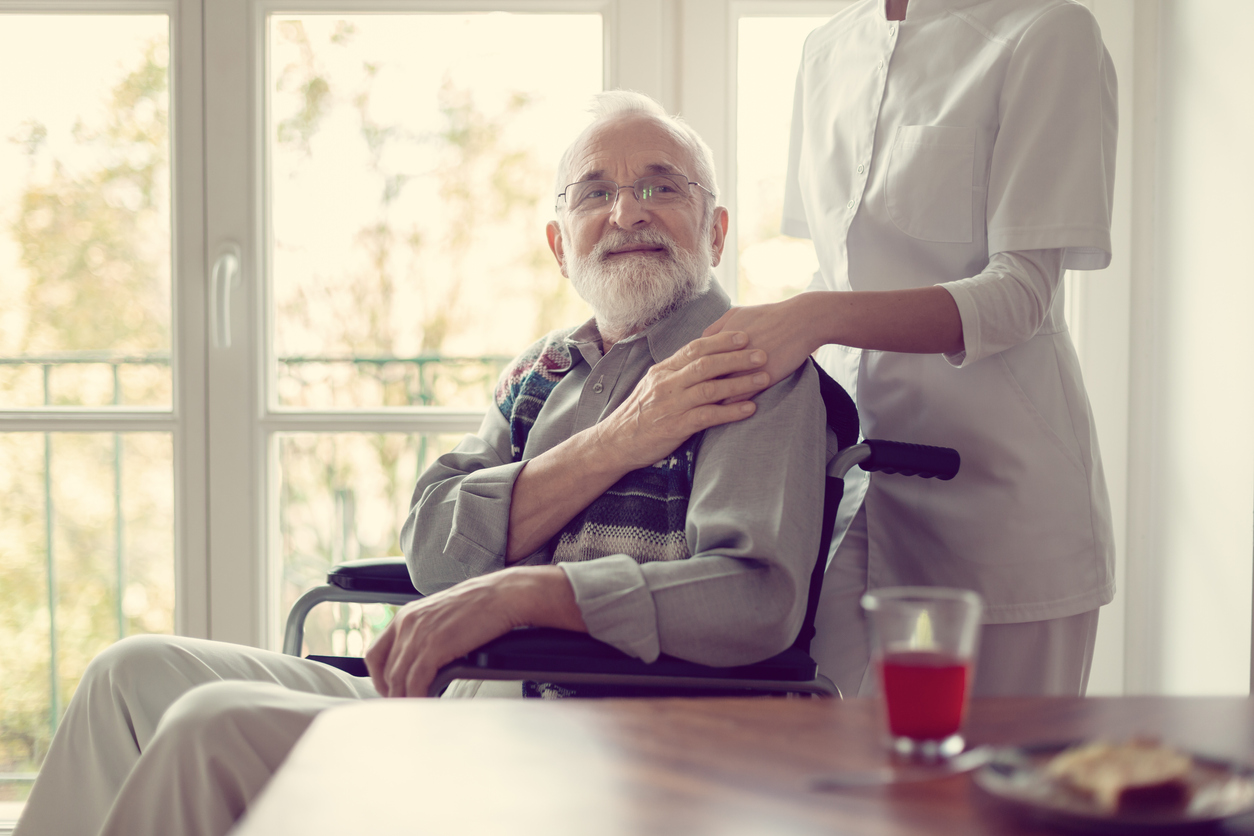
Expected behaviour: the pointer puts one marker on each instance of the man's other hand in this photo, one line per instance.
(429, 633)
(683, 395)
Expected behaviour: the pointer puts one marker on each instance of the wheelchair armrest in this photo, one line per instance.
(555, 652)
(375, 574)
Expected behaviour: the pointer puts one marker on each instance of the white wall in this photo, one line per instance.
(1099, 318)
(1201, 478)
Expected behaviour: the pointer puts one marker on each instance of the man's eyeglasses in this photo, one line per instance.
(597, 197)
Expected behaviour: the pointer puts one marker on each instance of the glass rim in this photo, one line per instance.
(874, 598)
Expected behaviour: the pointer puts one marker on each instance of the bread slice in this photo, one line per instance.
(1122, 776)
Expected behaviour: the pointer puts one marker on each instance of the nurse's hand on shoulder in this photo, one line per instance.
(779, 329)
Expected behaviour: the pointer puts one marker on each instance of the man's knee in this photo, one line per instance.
(257, 715)
(132, 659)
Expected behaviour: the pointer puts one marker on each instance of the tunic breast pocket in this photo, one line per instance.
(931, 174)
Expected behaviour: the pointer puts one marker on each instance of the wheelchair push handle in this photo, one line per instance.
(911, 459)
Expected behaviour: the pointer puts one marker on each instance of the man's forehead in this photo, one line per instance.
(604, 173)
(643, 144)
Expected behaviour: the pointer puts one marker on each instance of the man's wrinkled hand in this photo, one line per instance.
(429, 633)
(683, 395)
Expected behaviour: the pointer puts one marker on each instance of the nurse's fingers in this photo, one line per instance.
(719, 324)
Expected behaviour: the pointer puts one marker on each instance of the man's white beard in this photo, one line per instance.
(631, 292)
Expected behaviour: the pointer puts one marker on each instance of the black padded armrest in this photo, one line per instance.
(559, 651)
(376, 574)
(556, 652)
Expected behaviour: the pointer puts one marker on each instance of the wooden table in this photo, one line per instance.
(725, 767)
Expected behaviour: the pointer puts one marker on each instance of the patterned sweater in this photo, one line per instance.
(644, 514)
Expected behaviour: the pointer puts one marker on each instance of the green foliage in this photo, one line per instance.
(95, 244)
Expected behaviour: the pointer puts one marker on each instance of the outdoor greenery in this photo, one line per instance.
(94, 250)
(423, 309)
(346, 495)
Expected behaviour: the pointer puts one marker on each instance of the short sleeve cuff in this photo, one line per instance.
(970, 325)
(481, 517)
(1084, 248)
(616, 604)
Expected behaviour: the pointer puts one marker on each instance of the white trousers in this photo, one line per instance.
(1035, 658)
(172, 736)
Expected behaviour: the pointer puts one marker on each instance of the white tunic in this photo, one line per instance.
(919, 149)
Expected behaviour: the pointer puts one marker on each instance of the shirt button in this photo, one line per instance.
(881, 65)
(861, 169)
(849, 205)
(598, 388)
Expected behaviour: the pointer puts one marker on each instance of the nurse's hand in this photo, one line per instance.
(780, 329)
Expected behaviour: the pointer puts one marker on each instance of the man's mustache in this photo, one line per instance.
(616, 239)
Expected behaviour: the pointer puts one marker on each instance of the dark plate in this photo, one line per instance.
(1219, 790)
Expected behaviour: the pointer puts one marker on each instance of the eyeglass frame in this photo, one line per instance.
(562, 203)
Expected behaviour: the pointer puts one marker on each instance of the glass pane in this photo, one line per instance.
(410, 182)
(86, 557)
(344, 496)
(771, 266)
(85, 211)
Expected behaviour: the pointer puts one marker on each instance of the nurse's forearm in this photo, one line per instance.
(921, 320)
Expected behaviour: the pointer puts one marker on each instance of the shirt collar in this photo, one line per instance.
(666, 336)
(919, 10)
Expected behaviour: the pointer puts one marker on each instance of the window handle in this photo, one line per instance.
(224, 277)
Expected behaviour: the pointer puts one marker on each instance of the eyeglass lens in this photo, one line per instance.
(592, 196)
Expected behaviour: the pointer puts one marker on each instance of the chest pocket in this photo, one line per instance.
(931, 175)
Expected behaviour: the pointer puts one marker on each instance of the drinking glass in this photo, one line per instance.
(923, 647)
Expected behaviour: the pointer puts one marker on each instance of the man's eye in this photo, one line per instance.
(594, 195)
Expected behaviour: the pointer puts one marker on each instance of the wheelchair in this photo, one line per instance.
(589, 667)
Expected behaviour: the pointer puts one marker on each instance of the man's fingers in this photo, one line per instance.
(725, 389)
(418, 681)
(711, 415)
(377, 658)
(711, 366)
(705, 346)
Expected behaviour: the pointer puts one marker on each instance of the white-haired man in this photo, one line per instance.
(606, 492)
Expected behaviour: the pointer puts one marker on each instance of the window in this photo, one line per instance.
(408, 193)
(86, 374)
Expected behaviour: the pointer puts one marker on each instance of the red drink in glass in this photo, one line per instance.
(925, 693)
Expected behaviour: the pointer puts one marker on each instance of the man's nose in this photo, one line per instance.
(627, 210)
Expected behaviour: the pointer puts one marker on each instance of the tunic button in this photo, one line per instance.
(597, 388)
(861, 169)
(881, 65)
(849, 205)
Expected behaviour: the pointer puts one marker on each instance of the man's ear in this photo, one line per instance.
(554, 232)
(718, 234)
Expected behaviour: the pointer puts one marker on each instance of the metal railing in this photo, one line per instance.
(416, 376)
(47, 364)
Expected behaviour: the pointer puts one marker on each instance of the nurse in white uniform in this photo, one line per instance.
(950, 159)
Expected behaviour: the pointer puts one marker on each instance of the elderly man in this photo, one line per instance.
(611, 491)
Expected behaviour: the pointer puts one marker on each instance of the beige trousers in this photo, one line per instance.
(175, 736)
(1045, 658)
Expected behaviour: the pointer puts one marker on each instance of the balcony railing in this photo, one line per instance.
(316, 382)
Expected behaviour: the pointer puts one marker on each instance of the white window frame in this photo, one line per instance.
(682, 52)
(185, 420)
